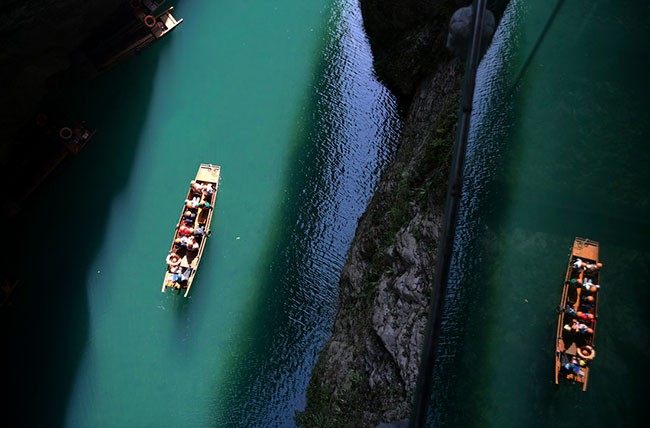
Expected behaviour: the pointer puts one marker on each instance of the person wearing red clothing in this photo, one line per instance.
(185, 230)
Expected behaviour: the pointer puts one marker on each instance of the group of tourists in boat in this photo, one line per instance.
(577, 319)
(189, 238)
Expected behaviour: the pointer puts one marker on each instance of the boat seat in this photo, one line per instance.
(184, 262)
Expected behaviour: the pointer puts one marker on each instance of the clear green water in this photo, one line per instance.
(282, 96)
(559, 149)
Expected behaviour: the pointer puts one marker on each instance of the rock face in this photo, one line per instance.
(407, 39)
(367, 372)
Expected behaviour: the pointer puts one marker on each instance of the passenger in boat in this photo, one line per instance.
(182, 276)
(192, 244)
(577, 327)
(569, 310)
(593, 267)
(183, 240)
(585, 316)
(583, 329)
(579, 264)
(196, 187)
(192, 203)
(208, 190)
(205, 205)
(587, 302)
(188, 216)
(185, 230)
(573, 366)
(591, 287)
(200, 231)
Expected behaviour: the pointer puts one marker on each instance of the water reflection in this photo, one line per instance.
(545, 165)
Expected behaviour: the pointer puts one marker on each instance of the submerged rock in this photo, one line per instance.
(461, 27)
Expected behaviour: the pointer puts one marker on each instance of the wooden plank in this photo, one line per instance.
(585, 249)
(209, 174)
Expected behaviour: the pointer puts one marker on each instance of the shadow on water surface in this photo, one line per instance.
(46, 328)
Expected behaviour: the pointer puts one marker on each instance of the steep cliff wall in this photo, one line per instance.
(367, 372)
(407, 39)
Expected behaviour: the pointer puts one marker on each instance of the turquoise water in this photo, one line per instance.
(558, 150)
(282, 96)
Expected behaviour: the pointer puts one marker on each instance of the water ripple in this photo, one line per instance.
(352, 135)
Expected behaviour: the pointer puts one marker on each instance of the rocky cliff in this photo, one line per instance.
(367, 371)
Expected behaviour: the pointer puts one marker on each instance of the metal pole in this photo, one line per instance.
(422, 397)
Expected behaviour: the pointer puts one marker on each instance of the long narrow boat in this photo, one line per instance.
(578, 314)
(192, 230)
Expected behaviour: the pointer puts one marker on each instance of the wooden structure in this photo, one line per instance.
(45, 147)
(192, 230)
(131, 29)
(578, 314)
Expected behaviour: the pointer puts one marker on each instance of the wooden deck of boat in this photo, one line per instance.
(209, 173)
(585, 249)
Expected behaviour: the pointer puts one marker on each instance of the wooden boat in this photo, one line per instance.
(45, 148)
(192, 230)
(578, 314)
(132, 28)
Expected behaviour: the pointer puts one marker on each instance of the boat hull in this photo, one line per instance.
(192, 230)
(578, 314)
